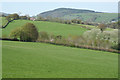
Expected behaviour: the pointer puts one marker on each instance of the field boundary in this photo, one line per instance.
(6, 24)
(68, 45)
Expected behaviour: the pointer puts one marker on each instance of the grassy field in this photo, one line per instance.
(93, 17)
(40, 60)
(50, 27)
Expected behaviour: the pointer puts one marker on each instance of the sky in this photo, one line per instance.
(59, 0)
(34, 8)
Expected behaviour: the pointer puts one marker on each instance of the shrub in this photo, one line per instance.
(105, 39)
(43, 35)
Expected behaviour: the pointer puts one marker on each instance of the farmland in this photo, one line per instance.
(50, 27)
(93, 17)
(40, 60)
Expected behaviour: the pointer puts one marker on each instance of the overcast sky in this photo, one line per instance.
(36, 7)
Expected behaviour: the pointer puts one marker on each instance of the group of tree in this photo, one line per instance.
(77, 21)
(12, 17)
(64, 21)
(114, 25)
(24, 17)
(16, 17)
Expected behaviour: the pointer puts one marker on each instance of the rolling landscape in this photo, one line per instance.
(85, 15)
(60, 43)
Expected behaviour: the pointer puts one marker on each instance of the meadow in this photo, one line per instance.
(50, 27)
(40, 60)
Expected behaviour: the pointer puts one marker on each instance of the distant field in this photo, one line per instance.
(93, 17)
(50, 27)
(40, 60)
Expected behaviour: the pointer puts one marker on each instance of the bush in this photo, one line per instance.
(43, 35)
(105, 39)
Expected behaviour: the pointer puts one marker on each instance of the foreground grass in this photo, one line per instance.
(40, 60)
(50, 27)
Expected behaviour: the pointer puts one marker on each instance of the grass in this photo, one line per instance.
(89, 26)
(40, 60)
(93, 17)
(50, 27)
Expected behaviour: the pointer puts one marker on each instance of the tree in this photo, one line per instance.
(15, 33)
(14, 16)
(73, 21)
(102, 27)
(28, 17)
(27, 32)
(23, 17)
(79, 21)
(8, 18)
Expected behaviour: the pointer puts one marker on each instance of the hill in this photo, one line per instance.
(3, 14)
(60, 12)
(85, 15)
(94, 17)
(50, 27)
(40, 60)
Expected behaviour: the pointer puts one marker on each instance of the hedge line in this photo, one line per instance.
(68, 45)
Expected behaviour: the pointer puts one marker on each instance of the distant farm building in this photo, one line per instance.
(32, 19)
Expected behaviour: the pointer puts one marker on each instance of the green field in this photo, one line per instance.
(93, 17)
(40, 60)
(50, 27)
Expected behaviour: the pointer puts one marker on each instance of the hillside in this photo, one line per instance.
(85, 15)
(94, 17)
(3, 14)
(50, 27)
(40, 60)
(60, 12)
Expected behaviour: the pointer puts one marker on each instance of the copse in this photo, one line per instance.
(27, 33)
(12, 17)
